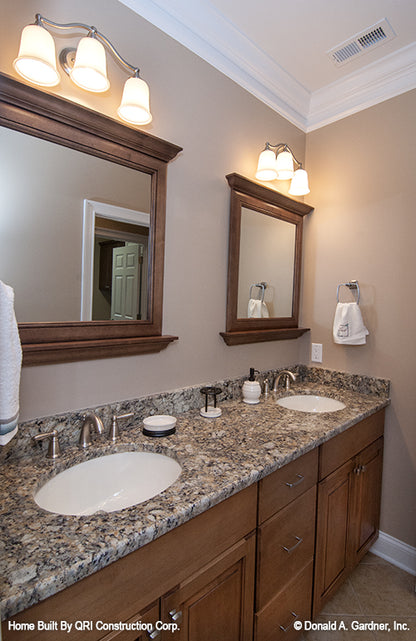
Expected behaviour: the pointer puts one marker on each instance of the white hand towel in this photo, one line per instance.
(349, 328)
(257, 309)
(10, 365)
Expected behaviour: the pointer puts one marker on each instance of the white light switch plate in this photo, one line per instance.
(316, 353)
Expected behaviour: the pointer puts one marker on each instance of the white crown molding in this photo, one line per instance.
(393, 75)
(207, 33)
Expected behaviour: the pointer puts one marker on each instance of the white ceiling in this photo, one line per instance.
(277, 50)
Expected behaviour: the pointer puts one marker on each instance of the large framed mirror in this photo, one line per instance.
(82, 228)
(264, 264)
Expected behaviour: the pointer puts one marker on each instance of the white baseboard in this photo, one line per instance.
(396, 552)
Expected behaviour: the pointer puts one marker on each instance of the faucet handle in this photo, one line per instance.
(114, 431)
(54, 449)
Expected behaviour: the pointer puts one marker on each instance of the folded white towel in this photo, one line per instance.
(257, 309)
(349, 328)
(10, 365)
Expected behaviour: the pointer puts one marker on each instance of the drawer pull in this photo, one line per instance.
(299, 540)
(290, 624)
(175, 615)
(154, 634)
(298, 482)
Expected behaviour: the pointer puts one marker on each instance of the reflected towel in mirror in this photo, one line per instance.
(257, 309)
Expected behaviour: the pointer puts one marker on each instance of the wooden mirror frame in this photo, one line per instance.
(245, 193)
(51, 118)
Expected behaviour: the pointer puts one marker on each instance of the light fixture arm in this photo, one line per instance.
(93, 32)
(282, 146)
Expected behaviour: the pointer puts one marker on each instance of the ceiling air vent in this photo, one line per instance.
(362, 42)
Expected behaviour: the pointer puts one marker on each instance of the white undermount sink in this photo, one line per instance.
(108, 483)
(311, 403)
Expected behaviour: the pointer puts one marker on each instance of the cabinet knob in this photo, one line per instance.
(175, 615)
(359, 469)
(295, 616)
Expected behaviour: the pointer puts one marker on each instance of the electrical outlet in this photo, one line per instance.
(316, 352)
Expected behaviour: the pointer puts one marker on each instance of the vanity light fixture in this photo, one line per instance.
(86, 66)
(276, 162)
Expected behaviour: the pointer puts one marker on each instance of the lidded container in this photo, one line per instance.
(251, 389)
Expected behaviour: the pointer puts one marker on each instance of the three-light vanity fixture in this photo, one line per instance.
(276, 162)
(86, 66)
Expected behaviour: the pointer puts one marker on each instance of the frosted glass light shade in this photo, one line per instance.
(36, 61)
(299, 185)
(284, 165)
(134, 107)
(266, 167)
(90, 68)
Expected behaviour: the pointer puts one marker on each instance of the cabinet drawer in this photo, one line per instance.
(341, 448)
(285, 546)
(293, 603)
(283, 486)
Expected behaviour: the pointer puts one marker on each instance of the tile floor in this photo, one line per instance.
(376, 591)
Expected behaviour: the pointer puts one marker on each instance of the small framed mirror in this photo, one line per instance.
(264, 264)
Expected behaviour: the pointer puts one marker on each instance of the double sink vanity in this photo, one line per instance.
(271, 510)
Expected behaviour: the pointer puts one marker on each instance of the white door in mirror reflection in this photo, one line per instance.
(115, 263)
(125, 283)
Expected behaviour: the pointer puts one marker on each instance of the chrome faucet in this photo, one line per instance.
(85, 435)
(287, 376)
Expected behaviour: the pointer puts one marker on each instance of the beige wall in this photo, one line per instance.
(364, 226)
(221, 129)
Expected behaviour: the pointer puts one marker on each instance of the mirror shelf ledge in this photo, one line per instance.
(262, 335)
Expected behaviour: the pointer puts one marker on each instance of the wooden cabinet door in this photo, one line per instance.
(365, 513)
(347, 520)
(149, 615)
(332, 533)
(218, 601)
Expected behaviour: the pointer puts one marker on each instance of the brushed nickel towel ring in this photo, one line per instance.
(352, 285)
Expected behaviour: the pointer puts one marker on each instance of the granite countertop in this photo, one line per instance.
(42, 553)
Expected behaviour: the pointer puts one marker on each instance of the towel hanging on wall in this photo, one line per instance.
(10, 365)
(349, 328)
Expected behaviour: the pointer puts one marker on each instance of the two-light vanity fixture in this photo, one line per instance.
(276, 162)
(86, 66)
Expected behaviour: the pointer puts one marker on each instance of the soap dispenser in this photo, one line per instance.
(251, 389)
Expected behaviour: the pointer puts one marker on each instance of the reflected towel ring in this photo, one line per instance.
(353, 284)
(261, 286)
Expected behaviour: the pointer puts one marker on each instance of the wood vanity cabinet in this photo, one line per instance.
(348, 511)
(285, 548)
(254, 564)
(211, 557)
